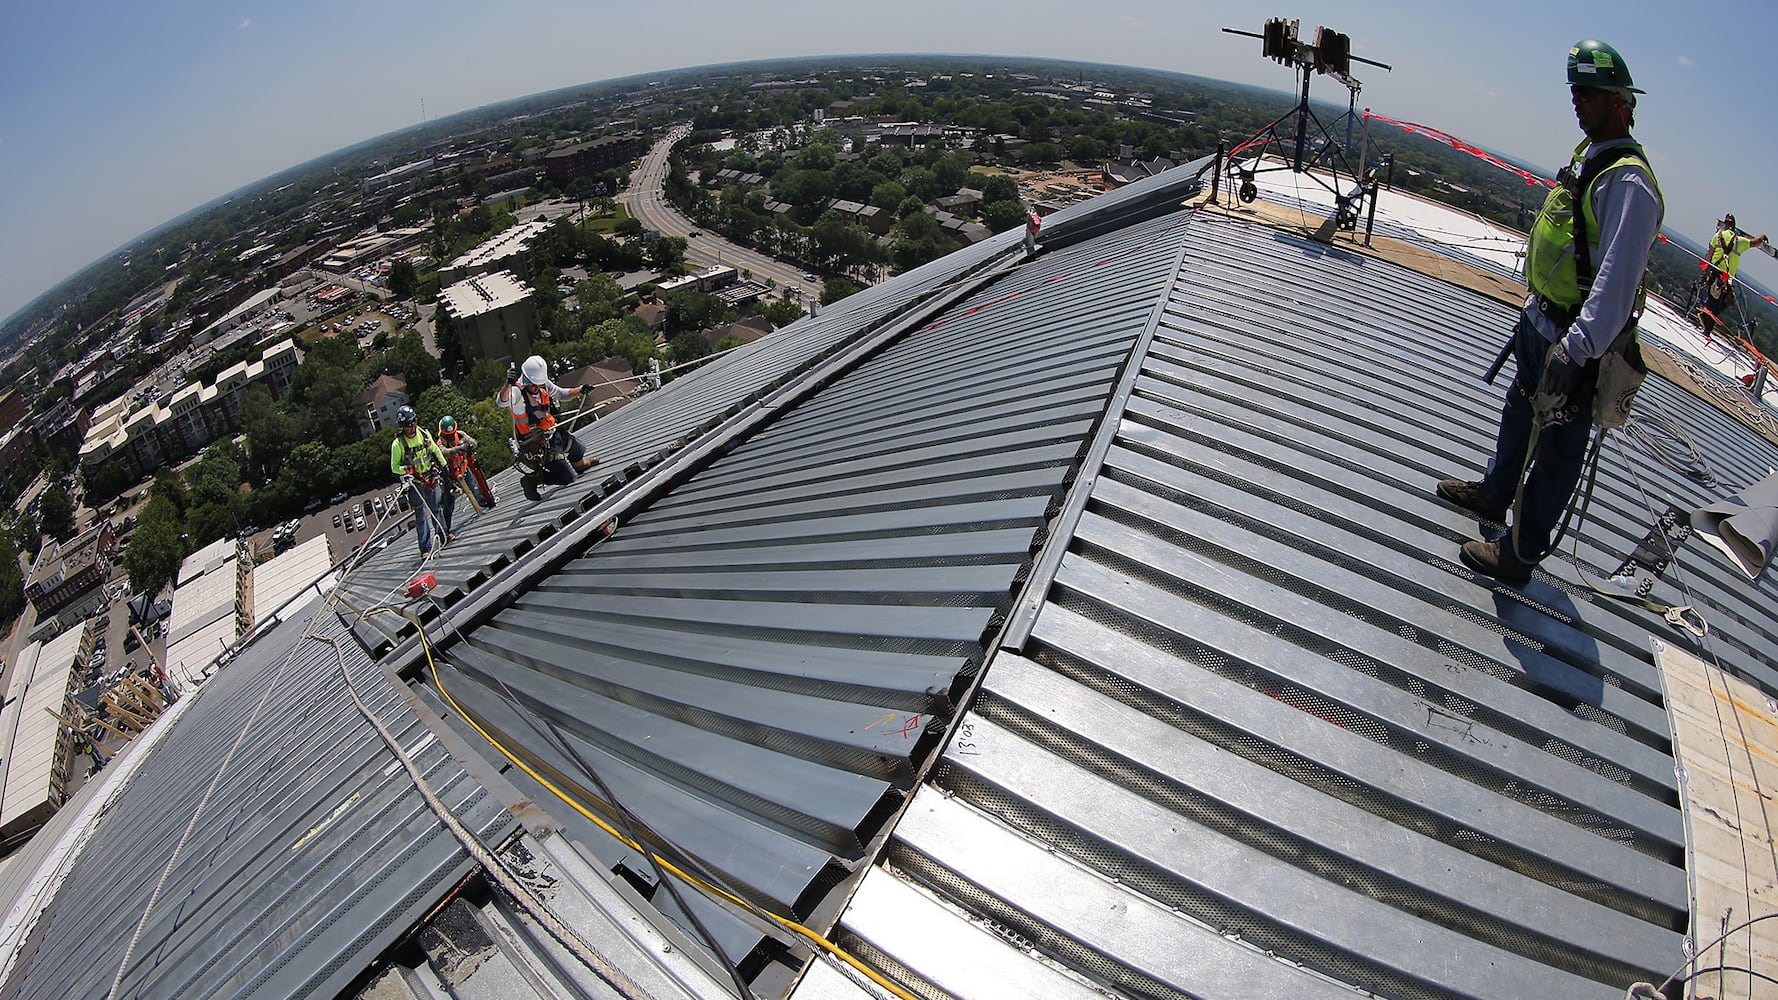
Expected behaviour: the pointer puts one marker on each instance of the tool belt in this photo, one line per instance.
(1562, 316)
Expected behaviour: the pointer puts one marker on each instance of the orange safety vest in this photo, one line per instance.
(459, 460)
(537, 410)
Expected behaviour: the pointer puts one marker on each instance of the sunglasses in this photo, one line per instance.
(1587, 93)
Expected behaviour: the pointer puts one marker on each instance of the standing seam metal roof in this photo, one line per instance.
(1264, 715)
(760, 661)
(307, 863)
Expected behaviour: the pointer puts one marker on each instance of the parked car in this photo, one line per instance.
(405, 503)
(336, 500)
(358, 524)
(336, 519)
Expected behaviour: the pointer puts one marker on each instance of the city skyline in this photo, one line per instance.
(110, 128)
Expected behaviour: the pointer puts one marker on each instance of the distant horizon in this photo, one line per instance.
(1693, 245)
(152, 113)
(253, 187)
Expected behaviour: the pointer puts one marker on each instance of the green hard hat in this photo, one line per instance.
(1592, 63)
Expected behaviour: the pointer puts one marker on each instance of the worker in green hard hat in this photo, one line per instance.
(1584, 265)
(1718, 279)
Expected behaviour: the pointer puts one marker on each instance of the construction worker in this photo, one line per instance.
(1584, 293)
(529, 395)
(1726, 248)
(415, 455)
(459, 450)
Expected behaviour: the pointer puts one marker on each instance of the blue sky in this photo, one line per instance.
(117, 117)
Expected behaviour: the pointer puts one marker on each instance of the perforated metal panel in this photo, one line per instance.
(1262, 692)
(313, 851)
(767, 653)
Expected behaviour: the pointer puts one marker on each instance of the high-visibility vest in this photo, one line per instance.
(1550, 259)
(1726, 249)
(459, 460)
(423, 453)
(537, 412)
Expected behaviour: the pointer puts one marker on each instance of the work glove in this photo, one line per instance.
(512, 375)
(1561, 380)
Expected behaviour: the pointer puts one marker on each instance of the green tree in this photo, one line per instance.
(106, 481)
(170, 486)
(599, 298)
(689, 346)
(1000, 216)
(665, 252)
(919, 239)
(999, 187)
(835, 289)
(409, 359)
(888, 195)
(155, 550)
(329, 409)
(782, 312)
(12, 579)
(691, 311)
(483, 380)
(56, 513)
(271, 433)
(1085, 149)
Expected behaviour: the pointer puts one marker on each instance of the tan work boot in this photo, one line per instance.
(1497, 560)
(1470, 497)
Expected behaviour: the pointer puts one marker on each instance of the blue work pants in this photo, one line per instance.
(427, 513)
(1561, 450)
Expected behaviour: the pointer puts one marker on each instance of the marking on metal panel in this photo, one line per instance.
(965, 741)
(908, 724)
(338, 811)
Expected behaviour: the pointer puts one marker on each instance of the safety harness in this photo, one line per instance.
(537, 410)
(427, 450)
(1617, 374)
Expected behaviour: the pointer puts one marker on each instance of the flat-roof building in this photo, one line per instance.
(66, 572)
(581, 159)
(188, 419)
(492, 316)
(508, 250)
(34, 745)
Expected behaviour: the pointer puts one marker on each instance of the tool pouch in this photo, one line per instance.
(1621, 371)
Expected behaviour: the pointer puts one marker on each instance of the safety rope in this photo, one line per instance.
(715, 891)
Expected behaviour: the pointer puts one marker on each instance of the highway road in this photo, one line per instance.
(648, 205)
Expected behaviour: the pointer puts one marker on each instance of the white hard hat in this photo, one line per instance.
(534, 370)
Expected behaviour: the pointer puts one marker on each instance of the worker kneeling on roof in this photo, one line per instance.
(1588, 250)
(530, 395)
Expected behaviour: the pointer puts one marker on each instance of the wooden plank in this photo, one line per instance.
(1725, 739)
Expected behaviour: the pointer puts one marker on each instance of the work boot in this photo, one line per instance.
(1497, 560)
(586, 463)
(1470, 497)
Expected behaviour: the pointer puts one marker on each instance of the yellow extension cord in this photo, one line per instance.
(807, 933)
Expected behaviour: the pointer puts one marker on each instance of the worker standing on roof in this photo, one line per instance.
(530, 394)
(416, 456)
(457, 446)
(1584, 268)
(1726, 248)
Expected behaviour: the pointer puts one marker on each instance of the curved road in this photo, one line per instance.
(645, 201)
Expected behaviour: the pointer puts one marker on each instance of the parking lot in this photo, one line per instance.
(356, 524)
